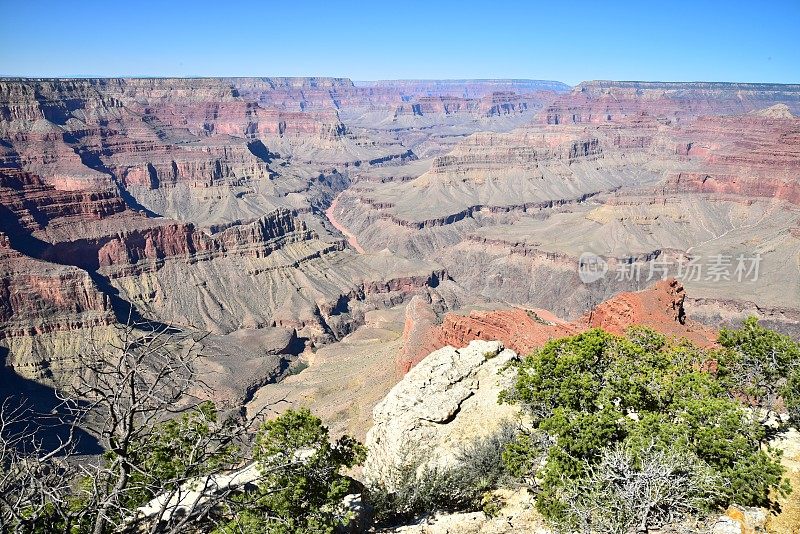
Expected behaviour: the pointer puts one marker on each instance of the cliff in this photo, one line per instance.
(200, 202)
(660, 307)
(607, 101)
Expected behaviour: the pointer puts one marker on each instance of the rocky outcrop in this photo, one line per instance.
(36, 294)
(258, 239)
(660, 307)
(521, 330)
(450, 399)
(438, 407)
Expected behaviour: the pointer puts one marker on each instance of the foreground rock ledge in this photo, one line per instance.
(450, 399)
(447, 400)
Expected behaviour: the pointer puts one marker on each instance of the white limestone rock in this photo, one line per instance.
(446, 401)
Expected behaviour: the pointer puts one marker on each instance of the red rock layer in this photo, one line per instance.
(659, 307)
(749, 155)
(37, 297)
(521, 330)
(162, 239)
(36, 205)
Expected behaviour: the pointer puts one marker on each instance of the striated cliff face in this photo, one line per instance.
(258, 239)
(527, 169)
(38, 291)
(494, 104)
(448, 97)
(508, 214)
(33, 205)
(209, 204)
(42, 306)
(191, 201)
(208, 282)
(160, 132)
(751, 156)
(611, 101)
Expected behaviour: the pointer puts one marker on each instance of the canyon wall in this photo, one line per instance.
(208, 204)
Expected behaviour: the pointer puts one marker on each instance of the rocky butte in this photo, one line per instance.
(301, 213)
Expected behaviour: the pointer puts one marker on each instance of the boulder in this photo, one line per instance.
(738, 520)
(448, 400)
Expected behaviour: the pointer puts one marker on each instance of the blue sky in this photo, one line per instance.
(567, 41)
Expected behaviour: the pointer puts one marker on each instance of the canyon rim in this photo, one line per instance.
(481, 272)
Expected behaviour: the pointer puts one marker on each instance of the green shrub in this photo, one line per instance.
(763, 367)
(595, 391)
(170, 454)
(414, 490)
(302, 487)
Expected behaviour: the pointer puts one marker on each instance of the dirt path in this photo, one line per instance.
(342, 228)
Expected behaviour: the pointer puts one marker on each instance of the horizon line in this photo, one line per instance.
(383, 80)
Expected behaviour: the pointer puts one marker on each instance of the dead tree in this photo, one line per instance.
(34, 479)
(171, 464)
(133, 388)
(638, 491)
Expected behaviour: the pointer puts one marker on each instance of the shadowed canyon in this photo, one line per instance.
(318, 222)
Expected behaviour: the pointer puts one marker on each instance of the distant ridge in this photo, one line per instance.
(464, 81)
(736, 86)
(286, 81)
(468, 87)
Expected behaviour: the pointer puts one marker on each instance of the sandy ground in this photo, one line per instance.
(345, 380)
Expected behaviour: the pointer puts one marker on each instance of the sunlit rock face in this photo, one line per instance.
(447, 400)
(293, 207)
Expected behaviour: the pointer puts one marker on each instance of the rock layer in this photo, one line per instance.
(201, 202)
(660, 307)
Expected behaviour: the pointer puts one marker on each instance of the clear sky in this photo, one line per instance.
(568, 41)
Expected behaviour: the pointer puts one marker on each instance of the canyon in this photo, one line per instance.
(339, 226)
